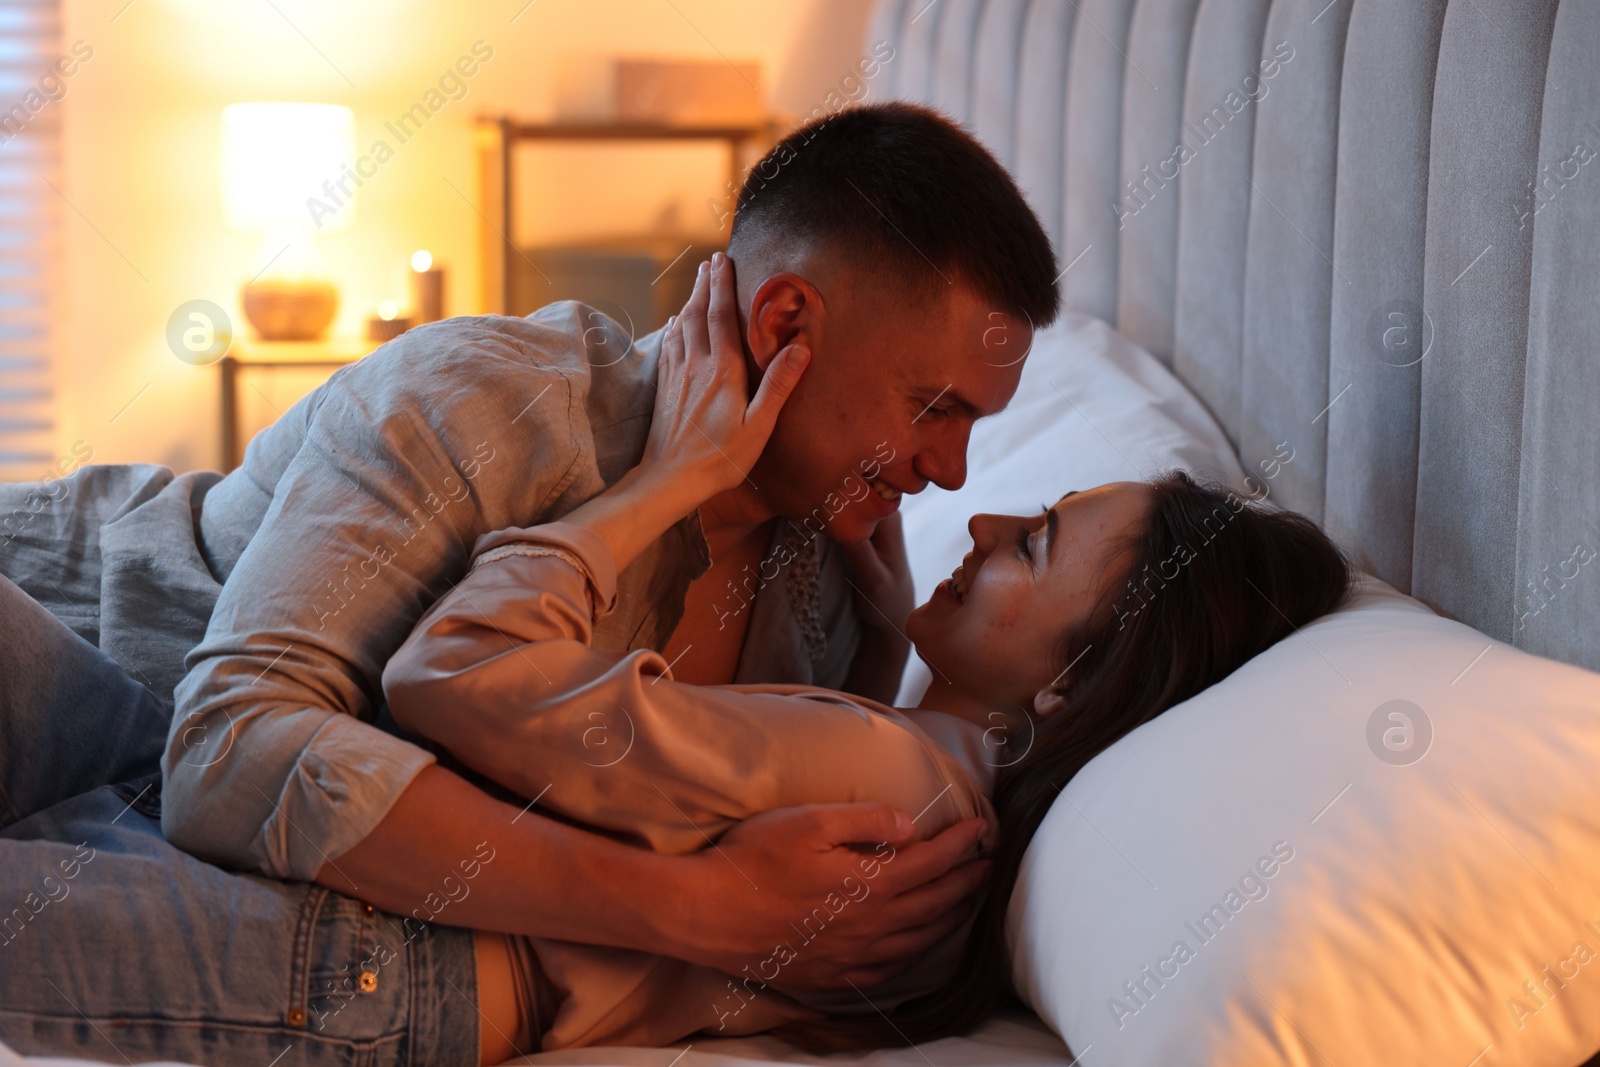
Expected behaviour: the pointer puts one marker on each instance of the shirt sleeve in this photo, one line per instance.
(379, 486)
(501, 674)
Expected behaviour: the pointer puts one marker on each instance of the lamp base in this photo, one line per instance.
(290, 311)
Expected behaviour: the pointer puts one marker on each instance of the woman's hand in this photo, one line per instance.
(884, 598)
(884, 593)
(707, 432)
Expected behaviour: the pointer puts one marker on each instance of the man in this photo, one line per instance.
(885, 240)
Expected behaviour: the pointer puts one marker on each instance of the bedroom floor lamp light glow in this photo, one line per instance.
(276, 160)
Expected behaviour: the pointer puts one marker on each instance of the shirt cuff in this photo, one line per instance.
(341, 787)
(583, 549)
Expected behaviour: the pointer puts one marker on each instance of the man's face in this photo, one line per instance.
(887, 404)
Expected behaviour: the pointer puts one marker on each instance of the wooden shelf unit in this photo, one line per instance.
(497, 139)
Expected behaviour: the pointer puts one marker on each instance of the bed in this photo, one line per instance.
(1350, 245)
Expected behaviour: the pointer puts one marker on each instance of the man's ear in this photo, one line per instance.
(786, 308)
(1047, 702)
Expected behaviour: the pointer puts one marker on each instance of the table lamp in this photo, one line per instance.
(287, 174)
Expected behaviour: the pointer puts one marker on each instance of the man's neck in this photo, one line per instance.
(731, 516)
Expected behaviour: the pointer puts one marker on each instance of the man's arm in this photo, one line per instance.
(723, 907)
(272, 764)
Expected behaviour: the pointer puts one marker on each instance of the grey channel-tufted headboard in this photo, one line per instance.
(1367, 231)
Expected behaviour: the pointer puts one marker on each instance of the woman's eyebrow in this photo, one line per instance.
(1050, 527)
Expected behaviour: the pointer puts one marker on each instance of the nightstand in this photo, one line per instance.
(308, 363)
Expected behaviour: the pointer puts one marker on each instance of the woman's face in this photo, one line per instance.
(992, 629)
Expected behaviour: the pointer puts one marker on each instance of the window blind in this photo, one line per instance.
(30, 151)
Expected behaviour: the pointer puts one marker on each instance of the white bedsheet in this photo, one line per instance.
(1012, 1038)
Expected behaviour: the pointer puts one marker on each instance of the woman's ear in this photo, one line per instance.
(1047, 702)
(786, 308)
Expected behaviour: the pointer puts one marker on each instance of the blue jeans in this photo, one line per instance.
(116, 946)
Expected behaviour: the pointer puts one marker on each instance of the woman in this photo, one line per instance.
(1057, 635)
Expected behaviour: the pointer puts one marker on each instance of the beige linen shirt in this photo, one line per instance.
(503, 674)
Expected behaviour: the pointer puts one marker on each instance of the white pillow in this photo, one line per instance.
(1395, 880)
(1092, 407)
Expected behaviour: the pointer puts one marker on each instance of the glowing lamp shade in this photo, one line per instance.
(279, 161)
(276, 157)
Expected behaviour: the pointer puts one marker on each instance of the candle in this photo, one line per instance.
(388, 323)
(427, 288)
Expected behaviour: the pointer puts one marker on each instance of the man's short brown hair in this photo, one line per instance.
(905, 192)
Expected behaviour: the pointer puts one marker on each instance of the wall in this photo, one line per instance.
(143, 221)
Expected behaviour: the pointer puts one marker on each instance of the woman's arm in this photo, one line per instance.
(501, 674)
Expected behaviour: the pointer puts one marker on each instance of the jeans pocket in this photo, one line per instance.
(354, 970)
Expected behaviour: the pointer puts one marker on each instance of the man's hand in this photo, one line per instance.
(753, 891)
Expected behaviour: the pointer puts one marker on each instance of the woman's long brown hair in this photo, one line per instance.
(1213, 581)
